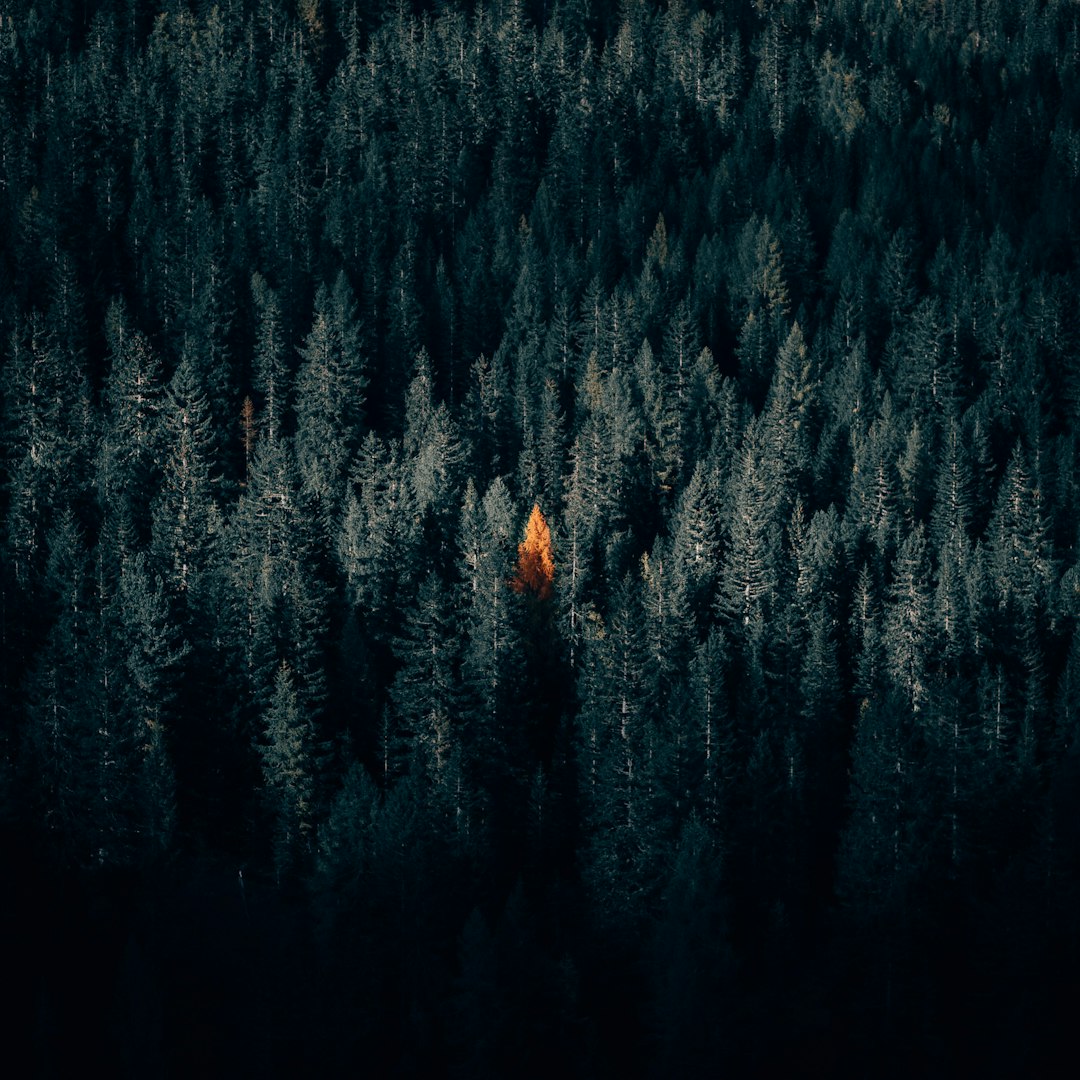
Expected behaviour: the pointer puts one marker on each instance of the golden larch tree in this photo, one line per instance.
(535, 566)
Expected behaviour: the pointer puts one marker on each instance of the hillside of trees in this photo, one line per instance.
(538, 537)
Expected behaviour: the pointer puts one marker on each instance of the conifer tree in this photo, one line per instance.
(907, 621)
(270, 370)
(186, 522)
(695, 540)
(64, 747)
(329, 401)
(951, 516)
(491, 658)
(761, 294)
(876, 862)
(748, 574)
(669, 620)
(616, 743)
(1019, 547)
(713, 732)
(535, 566)
(129, 449)
(786, 421)
(663, 421)
(379, 536)
(47, 429)
(286, 750)
(874, 493)
(604, 465)
(434, 455)
(425, 692)
(150, 654)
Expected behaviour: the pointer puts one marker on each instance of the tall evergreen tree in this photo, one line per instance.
(329, 401)
(151, 653)
(616, 741)
(64, 746)
(379, 536)
(186, 521)
(286, 752)
(491, 649)
(907, 624)
(425, 692)
(128, 455)
(749, 563)
(48, 437)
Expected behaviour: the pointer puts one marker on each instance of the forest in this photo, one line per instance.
(538, 537)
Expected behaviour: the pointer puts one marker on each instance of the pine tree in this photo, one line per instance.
(206, 337)
(130, 445)
(329, 401)
(668, 619)
(278, 590)
(1019, 547)
(343, 854)
(434, 455)
(286, 751)
(951, 516)
(616, 742)
(907, 622)
(714, 732)
(821, 686)
(874, 490)
(694, 538)
(378, 541)
(605, 473)
(550, 442)
(761, 295)
(877, 865)
(425, 692)
(270, 369)
(64, 748)
(151, 652)
(786, 421)
(186, 521)
(662, 419)
(35, 445)
(49, 423)
(491, 668)
(535, 566)
(897, 285)
(775, 52)
(918, 378)
(749, 564)
(680, 349)
(99, 703)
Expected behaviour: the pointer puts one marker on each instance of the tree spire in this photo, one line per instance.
(535, 566)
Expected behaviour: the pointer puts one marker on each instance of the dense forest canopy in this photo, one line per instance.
(541, 535)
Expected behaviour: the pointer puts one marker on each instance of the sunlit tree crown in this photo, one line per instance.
(535, 566)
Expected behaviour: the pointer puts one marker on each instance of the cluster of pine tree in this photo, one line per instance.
(577, 500)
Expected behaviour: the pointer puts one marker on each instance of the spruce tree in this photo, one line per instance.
(286, 751)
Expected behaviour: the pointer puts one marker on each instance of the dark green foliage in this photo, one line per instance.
(425, 694)
(63, 730)
(328, 400)
(286, 750)
(186, 523)
(617, 738)
(770, 310)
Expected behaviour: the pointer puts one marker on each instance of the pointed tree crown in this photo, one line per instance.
(535, 566)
